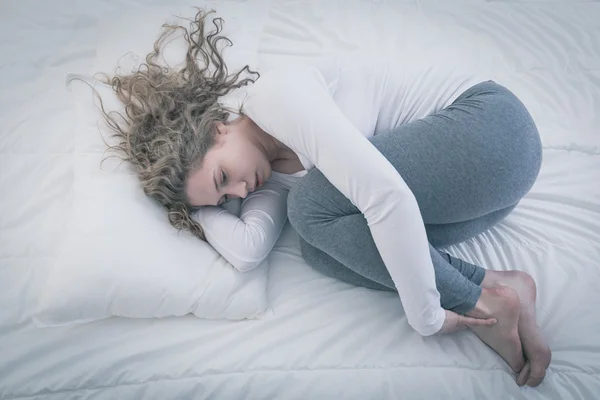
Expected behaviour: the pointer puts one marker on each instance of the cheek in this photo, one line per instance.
(189, 190)
(194, 190)
(252, 156)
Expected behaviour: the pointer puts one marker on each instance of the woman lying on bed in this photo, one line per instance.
(375, 171)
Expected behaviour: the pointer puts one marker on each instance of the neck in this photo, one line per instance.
(272, 148)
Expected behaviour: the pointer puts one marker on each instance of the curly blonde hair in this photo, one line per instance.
(171, 114)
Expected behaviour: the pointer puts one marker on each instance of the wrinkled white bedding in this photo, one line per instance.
(322, 338)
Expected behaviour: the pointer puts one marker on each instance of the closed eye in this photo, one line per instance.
(223, 183)
(223, 178)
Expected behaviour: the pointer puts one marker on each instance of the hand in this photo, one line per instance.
(455, 322)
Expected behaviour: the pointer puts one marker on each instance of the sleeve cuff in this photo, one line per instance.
(434, 326)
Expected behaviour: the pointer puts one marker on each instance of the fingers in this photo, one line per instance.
(469, 321)
(459, 327)
(455, 322)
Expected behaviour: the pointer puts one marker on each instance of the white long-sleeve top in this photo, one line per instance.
(244, 231)
(325, 115)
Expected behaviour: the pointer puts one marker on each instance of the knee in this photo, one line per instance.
(294, 206)
(305, 206)
(299, 206)
(525, 146)
(311, 255)
(536, 153)
(531, 159)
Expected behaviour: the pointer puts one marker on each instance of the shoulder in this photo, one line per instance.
(283, 91)
(289, 77)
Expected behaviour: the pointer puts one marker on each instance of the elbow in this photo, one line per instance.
(403, 197)
(396, 196)
(254, 251)
(390, 203)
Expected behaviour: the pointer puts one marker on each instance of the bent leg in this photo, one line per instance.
(452, 288)
(466, 165)
(351, 254)
(441, 235)
(479, 155)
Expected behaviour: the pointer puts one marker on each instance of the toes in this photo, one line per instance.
(538, 373)
(518, 363)
(539, 363)
(535, 380)
(524, 374)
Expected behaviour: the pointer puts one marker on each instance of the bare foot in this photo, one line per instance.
(502, 303)
(536, 349)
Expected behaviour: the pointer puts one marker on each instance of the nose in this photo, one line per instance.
(241, 190)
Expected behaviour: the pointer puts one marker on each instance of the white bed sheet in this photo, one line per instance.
(323, 338)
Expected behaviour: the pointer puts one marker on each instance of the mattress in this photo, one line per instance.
(321, 338)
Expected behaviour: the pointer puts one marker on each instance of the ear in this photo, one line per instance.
(221, 128)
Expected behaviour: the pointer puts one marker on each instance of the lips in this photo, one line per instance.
(258, 181)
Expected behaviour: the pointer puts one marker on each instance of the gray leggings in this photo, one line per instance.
(468, 166)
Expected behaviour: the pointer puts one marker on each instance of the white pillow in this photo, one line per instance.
(121, 257)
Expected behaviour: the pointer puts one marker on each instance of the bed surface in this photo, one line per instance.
(322, 338)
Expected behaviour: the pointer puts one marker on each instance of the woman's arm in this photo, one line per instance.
(246, 241)
(294, 105)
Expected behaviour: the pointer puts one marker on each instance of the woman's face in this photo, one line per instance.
(236, 165)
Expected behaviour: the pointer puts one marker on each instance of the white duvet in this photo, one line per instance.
(322, 338)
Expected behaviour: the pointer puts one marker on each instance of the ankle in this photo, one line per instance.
(494, 299)
(490, 279)
(482, 307)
